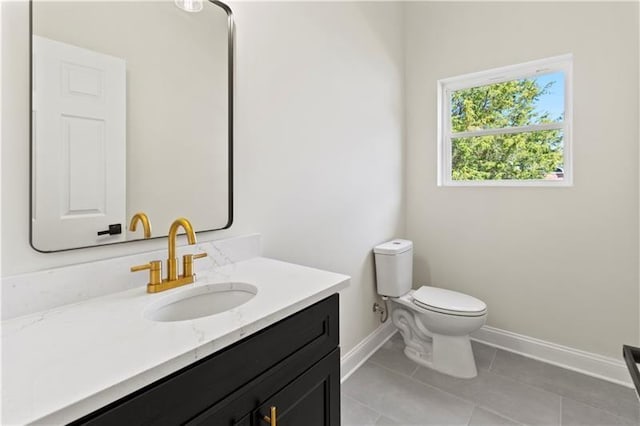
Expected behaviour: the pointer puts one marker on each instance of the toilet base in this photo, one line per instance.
(452, 355)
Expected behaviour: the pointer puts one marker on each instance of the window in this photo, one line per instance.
(509, 126)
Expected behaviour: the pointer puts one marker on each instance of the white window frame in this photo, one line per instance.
(446, 86)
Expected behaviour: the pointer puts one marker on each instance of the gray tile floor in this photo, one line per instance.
(390, 389)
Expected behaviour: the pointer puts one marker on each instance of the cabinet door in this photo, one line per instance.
(313, 399)
(302, 395)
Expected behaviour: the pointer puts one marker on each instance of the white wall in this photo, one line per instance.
(318, 150)
(558, 264)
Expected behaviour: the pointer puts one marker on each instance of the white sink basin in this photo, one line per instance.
(201, 301)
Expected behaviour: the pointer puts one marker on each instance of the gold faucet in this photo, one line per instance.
(172, 261)
(155, 284)
(146, 225)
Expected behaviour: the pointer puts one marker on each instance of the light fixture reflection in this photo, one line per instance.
(189, 5)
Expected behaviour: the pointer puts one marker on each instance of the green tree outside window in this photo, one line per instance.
(523, 155)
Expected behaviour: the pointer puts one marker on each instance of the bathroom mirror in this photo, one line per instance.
(131, 111)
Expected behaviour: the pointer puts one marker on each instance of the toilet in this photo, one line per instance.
(435, 323)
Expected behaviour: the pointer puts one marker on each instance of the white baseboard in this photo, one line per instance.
(353, 359)
(595, 365)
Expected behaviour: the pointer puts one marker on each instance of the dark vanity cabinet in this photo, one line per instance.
(291, 367)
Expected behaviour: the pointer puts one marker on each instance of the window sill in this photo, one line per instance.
(509, 183)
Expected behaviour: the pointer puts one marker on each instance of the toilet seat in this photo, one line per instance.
(448, 302)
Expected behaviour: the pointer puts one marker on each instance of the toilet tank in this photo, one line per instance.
(394, 267)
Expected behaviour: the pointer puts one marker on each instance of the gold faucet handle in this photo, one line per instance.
(155, 271)
(187, 262)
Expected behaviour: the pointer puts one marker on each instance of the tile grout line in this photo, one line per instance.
(419, 382)
(365, 405)
(590, 405)
(490, 370)
(497, 413)
(393, 370)
(560, 413)
(489, 408)
(493, 358)
(444, 391)
(505, 376)
(474, 403)
(611, 413)
(414, 370)
(471, 415)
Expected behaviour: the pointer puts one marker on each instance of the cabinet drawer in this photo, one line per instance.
(311, 333)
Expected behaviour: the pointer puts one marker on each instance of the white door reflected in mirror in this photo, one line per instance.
(79, 113)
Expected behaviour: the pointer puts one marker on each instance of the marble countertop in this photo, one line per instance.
(67, 361)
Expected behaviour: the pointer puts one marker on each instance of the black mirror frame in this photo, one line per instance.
(231, 84)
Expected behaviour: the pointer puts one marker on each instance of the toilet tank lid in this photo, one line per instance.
(396, 246)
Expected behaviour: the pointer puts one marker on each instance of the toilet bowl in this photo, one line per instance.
(435, 323)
